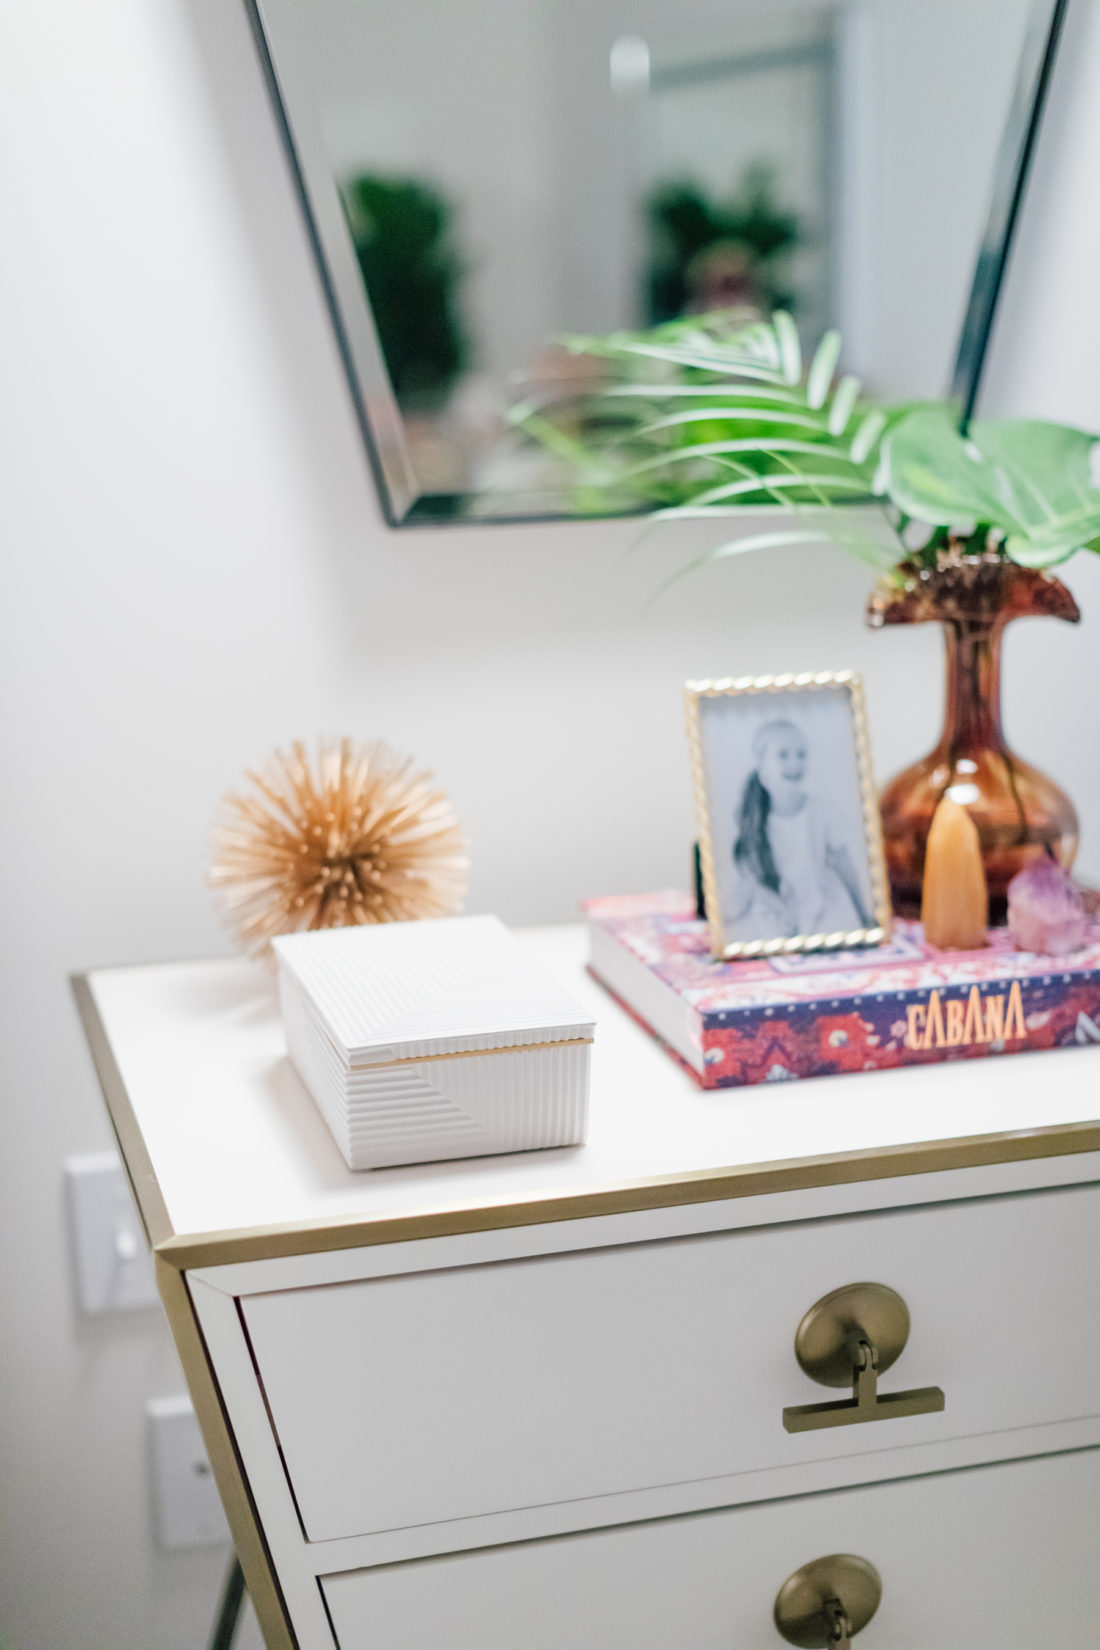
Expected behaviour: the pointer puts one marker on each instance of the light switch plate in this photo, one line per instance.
(186, 1507)
(114, 1270)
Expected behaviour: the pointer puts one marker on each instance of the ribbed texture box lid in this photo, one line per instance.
(398, 991)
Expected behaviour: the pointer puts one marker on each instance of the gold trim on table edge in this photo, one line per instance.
(624, 1197)
(229, 1474)
(135, 1157)
(629, 1197)
(236, 1497)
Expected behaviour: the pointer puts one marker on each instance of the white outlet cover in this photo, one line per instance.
(186, 1508)
(114, 1270)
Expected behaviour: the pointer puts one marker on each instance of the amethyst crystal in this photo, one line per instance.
(1045, 910)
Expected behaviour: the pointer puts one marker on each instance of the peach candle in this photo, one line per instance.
(955, 900)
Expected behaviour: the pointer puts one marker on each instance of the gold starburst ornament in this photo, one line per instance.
(348, 834)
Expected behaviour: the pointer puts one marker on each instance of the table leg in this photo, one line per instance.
(229, 1613)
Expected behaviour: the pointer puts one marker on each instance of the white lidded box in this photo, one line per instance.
(436, 1039)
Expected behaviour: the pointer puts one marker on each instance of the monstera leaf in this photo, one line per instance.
(1032, 480)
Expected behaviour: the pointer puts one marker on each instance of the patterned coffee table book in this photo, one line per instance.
(768, 1019)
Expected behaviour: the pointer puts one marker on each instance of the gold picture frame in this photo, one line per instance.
(862, 888)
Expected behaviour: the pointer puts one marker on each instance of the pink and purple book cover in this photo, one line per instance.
(904, 1003)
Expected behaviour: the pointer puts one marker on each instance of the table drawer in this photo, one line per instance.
(443, 1395)
(1004, 1555)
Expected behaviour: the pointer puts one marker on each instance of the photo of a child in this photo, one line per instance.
(787, 813)
(794, 872)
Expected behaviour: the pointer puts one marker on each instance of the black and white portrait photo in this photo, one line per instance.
(784, 803)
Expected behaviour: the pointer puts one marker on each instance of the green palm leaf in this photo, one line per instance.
(738, 424)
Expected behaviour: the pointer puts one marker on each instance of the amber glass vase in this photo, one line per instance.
(1018, 811)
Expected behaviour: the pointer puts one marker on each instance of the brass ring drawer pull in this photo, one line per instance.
(849, 1338)
(825, 1603)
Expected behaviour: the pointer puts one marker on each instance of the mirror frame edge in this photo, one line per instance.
(1011, 172)
(376, 411)
(375, 406)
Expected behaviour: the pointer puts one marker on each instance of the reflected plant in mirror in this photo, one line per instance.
(710, 254)
(480, 179)
(403, 236)
(965, 527)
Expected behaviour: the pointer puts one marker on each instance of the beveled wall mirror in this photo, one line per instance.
(482, 178)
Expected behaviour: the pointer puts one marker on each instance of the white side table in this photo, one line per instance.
(540, 1400)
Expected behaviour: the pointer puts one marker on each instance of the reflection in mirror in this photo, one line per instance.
(497, 175)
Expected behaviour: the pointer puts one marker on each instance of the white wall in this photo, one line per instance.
(194, 570)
